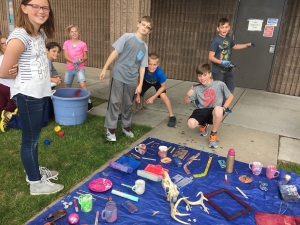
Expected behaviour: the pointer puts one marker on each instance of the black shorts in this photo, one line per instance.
(147, 85)
(203, 116)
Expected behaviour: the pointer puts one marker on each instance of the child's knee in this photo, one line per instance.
(192, 123)
(218, 111)
(163, 96)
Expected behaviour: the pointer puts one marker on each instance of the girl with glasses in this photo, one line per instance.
(31, 89)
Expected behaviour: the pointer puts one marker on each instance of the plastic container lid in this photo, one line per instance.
(231, 152)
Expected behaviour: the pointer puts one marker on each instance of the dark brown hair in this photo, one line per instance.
(203, 68)
(222, 21)
(23, 21)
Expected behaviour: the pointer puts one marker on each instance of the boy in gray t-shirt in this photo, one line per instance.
(132, 53)
(210, 95)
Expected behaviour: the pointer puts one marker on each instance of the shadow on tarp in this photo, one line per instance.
(154, 198)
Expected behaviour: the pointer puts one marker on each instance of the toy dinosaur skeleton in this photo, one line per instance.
(172, 194)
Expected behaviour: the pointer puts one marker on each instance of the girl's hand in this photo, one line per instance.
(14, 70)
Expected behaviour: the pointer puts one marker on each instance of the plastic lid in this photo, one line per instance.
(231, 152)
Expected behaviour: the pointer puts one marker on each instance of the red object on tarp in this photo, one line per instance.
(156, 169)
(275, 219)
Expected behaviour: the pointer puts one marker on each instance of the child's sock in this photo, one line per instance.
(127, 129)
(213, 133)
(112, 131)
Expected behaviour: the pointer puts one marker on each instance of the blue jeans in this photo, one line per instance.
(69, 76)
(31, 112)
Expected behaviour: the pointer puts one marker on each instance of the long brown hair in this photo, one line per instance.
(23, 21)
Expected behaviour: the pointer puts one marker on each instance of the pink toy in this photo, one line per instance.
(100, 185)
(73, 218)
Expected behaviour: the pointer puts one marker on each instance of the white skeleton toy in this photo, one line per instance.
(172, 195)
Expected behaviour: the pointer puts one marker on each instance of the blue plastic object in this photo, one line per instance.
(47, 142)
(70, 105)
(225, 63)
(125, 164)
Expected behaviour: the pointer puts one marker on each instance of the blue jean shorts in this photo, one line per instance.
(69, 76)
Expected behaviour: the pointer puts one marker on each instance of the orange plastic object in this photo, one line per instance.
(156, 169)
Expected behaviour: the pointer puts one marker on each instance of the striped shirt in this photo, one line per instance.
(33, 77)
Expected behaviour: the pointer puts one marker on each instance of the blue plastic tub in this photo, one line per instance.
(70, 105)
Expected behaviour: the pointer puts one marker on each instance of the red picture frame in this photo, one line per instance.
(247, 209)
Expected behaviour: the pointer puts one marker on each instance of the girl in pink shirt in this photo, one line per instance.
(75, 53)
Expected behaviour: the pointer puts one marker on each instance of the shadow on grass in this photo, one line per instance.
(77, 155)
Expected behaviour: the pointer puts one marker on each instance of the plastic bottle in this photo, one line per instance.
(230, 160)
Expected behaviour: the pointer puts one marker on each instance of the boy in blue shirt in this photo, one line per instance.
(132, 53)
(155, 77)
(220, 52)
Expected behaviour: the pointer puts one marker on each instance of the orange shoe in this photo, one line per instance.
(203, 130)
(213, 141)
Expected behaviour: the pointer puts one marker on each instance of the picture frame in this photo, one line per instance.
(247, 209)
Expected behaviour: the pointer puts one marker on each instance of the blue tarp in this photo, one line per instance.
(154, 198)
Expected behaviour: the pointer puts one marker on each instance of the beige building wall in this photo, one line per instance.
(182, 32)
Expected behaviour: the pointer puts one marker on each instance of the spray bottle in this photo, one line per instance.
(230, 160)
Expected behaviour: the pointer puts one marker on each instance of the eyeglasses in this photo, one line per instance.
(144, 25)
(37, 8)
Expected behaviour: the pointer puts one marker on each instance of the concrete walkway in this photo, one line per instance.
(263, 126)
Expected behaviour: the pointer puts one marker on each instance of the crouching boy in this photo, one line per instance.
(154, 76)
(211, 95)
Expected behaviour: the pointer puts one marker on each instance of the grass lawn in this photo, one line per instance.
(77, 155)
(288, 166)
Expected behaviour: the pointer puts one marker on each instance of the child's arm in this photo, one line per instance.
(84, 57)
(66, 55)
(109, 60)
(159, 91)
(228, 101)
(187, 99)
(242, 46)
(212, 58)
(13, 51)
(138, 89)
(138, 97)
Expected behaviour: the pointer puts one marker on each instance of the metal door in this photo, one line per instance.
(257, 21)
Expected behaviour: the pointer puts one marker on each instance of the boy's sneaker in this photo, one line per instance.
(172, 121)
(5, 118)
(213, 141)
(44, 187)
(50, 174)
(127, 132)
(110, 136)
(203, 130)
(90, 106)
